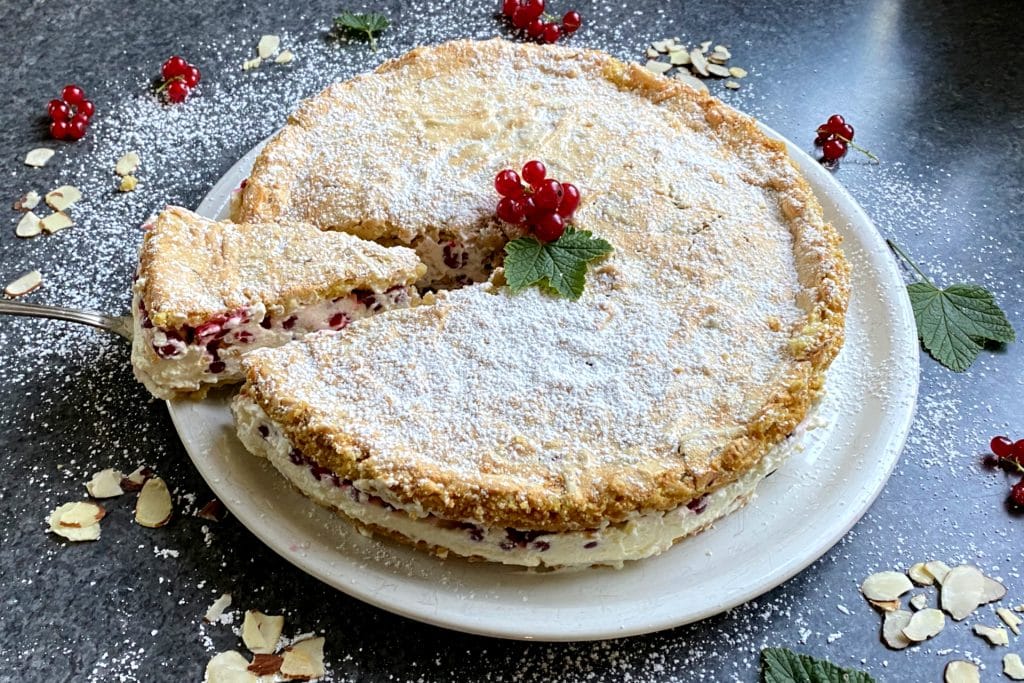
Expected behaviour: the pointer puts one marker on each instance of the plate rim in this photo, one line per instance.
(904, 350)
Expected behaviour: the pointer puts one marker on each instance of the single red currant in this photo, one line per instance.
(536, 28)
(548, 195)
(77, 126)
(551, 33)
(533, 8)
(511, 210)
(534, 173)
(1001, 446)
(521, 18)
(174, 66)
(177, 91)
(58, 110)
(192, 77)
(1017, 493)
(72, 94)
(834, 122)
(509, 7)
(531, 209)
(572, 21)
(59, 129)
(1017, 452)
(507, 184)
(833, 150)
(549, 227)
(570, 200)
(86, 108)
(844, 131)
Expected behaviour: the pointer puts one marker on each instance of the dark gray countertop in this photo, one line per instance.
(935, 89)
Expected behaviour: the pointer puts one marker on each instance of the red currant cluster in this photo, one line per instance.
(69, 116)
(180, 78)
(542, 204)
(529, 16)
(835, 136)
(1010, 455)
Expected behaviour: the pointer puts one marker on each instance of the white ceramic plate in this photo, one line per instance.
(801, 511)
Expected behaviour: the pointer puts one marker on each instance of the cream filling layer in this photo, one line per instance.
(644, 535)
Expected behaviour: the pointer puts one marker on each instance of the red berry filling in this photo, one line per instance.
(70, 115)
(544, 205)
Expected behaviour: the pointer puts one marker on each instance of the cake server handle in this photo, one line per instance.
(118, 324)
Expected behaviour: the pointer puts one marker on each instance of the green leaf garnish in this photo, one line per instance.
(779, 665)
(559, 266)
(955, 323)
(368, 25)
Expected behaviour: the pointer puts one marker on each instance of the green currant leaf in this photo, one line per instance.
(527, 263)
(560, 266)
(779, 665)
(369, 24)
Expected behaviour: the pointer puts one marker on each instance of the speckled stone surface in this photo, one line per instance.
(935, 89)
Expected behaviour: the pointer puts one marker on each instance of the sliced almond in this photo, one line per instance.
(657, 67)
(723, 51)
(1013, 667)
(661, 45)
(304, 660)
(27, 201)
(56, 222)
(679, 58)
(961, 591)
(24, 284)
(885, 605)
(38, 156)
(105, 484)
(128, 184)
(213, 613)
(700, 64)
(1018, 608)
(705, 46)
(260, 632)
(128, 163)
(718, 70)
(78, 521)
(652, 53)
(937, 569)
(1011, 620)
(154, 508)
(992, 591)
(286, 57)
(266, 665)
(715, 58)
(737, 72)
(959, 671)
(63, 197)
(885, 586)
(920, 575)
(925, 624)
(214, 511)
(732, 85)
(250, 64)
(229, 667)
(267, 46)
(994, 635)
(892, 629)
(29, 225)
(919, 601)
(135, 480)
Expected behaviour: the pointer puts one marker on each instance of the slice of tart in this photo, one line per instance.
(208, 292)
(523, 428)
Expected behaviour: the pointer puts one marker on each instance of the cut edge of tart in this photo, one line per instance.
(736, 286)
(207, 292)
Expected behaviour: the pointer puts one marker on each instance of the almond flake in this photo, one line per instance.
(892, 629)
(652, 53)
(27, 201)
(267, 46)
(657, 67)
(217, 608)
(128, 163)
(718, 70)
(56, 222)
(105, 484)
(260, 632)
(691, 81)
(700, 64)
(154, 507)
(214, 511)
(28, 226)
(885, 586)
(992, 591)
(995, 636)
(250, 64)
(661, 45)
(128, 184)
(1013, 667)
(732, 85)
(959, 671)
(24, 284)
(920, 575)
(925, 624)
(1018, 608)
(679, 58)
(74, 523)
(737, 72)
(885, 605)
(937, 569)
(38, 156)
(304, 660)
(135, 480)
(63, 197)
(705, 46)
(229, 667)
(715, 58)
(723, 51)
(919, 601)
(1010, 619)
(962, 588)
(286, 57)
(266, 665)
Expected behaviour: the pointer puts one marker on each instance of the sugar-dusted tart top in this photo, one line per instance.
(699, 344)
(192, 269)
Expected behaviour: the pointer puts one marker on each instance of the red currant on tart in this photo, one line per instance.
(531, 199)
(835, 137)
(70, 114)
(178, 79)
(531, 17)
